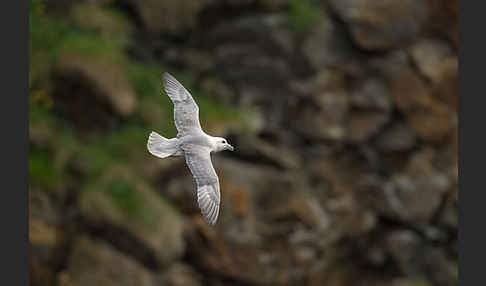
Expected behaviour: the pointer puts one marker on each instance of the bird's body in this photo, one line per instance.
(194, 144)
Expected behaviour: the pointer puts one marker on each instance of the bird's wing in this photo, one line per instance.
(198, 159)
(186, 111)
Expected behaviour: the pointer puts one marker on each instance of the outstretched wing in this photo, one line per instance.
(198, 159)
(186, 111)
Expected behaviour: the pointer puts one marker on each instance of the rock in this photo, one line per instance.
(405, 249)
(389, 65)
(93, 262)
(363, 125)
(334, 274)
(259, 150)
(42, 234)
(121, 204)
(239, 3)
(416, 195)
(41, 274)
(41, 133)
(182, 192)
(88, 90)
(410, 282)
(326, 46)
(179, 15)
(444, 19)
(181, 275)
(195, 60)
(274, 4)
(429, 56)
(101, 20)
(42, 206)
(396, 137)
(443, 270)
(249, 50)
(447, 86)
(449, 214)
(303, 208)
(218, 90)
(213, 253)
(45, 251)
(325, 119)
(243, 187)
(372, 94)
(430, 118)
(378, 25)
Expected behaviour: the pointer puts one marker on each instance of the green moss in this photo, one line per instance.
(41, 168)
(93, 45)
(39, 113)
(127, 199)
(127, 143)
(303, 15)
(124, 195)
(212, 111)
(45, 34)
(51, 37)
(146, 78)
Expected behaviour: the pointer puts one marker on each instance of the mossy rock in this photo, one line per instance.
(98, 18)
(170, 16)
(303, 15)
(119, 200)
(101, 78)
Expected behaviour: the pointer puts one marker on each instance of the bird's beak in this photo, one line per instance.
(231, 148)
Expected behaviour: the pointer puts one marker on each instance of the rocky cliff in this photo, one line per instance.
(343, 114)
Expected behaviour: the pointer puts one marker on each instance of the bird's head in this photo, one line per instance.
(222, 144)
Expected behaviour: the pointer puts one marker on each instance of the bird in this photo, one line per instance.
(194, 144)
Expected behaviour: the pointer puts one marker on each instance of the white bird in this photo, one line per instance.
(194, 144)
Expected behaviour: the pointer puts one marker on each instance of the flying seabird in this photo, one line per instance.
(194, 144)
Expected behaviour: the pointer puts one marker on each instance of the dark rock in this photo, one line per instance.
(218, 90)
(382, 24)
(194, 59)
(89, 92)
(363, 125)
(443, 271)
(45, 244)
(372, 94)
(396, 137)
(430, 118)
(443, 19)
(326, 46)
(326, 119)
(182, 192)
(255, 149)
(214, 253)
(405, 248)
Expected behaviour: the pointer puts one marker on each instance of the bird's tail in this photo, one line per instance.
(162, 147)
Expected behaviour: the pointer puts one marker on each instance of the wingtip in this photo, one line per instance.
(167, 76)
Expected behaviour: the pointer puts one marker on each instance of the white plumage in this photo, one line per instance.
(194, 144)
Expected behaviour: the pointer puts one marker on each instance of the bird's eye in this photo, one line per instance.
(223, 141)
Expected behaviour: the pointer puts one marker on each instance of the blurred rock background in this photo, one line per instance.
(343, 114)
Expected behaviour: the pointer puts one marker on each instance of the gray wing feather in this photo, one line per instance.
(186, 111)
(198, 159)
